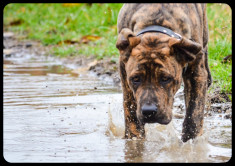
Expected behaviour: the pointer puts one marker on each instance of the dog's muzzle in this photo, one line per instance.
(149, 111)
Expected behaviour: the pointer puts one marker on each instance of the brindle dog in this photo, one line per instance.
(153, 65)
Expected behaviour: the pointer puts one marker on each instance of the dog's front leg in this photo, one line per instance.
(132, 126)
(195, 88)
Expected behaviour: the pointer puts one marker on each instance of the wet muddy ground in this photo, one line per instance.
(60, 112)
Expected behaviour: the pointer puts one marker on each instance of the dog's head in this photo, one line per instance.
(153, 69)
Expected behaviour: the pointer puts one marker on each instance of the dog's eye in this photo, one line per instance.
(136, 80)
(165, 79)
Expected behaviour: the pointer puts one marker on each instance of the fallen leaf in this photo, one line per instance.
(88, 38)
(68, 41)
(89, 4)
(16, 22)
(67, 20)
(22, 9)
(227, 58)
(71, 4)
(52, 31)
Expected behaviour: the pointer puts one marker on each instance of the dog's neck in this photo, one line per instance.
(160, 29)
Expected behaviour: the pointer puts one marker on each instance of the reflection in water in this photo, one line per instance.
(53, 115)
(134, 150)
(35, 69)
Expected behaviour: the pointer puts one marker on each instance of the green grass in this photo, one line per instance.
(220, 45)
(54, 24)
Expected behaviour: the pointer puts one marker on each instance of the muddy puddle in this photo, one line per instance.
(54, 115)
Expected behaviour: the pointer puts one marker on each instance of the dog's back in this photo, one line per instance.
(189, 20)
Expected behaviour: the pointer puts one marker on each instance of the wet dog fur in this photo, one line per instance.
(151, 65)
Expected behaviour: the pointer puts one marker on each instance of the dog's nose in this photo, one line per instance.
(149, 110)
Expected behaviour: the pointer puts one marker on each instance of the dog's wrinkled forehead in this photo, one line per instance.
(153, 39)
(152, 46)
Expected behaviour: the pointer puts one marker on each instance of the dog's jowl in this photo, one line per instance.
(160, 45)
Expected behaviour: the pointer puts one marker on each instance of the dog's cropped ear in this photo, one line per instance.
(185, 49)
(126, 41)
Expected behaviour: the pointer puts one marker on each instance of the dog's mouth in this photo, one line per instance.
(155, 118)
(149, 119)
